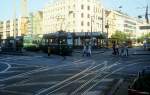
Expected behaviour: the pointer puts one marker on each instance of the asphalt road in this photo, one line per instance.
(77, 75)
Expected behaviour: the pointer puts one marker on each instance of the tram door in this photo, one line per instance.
(69, 40)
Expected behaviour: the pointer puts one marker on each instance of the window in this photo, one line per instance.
(82, 30)
(82, 15)
(88, 7)
(73, 22)
(88, 23)
(82, 6)
(88, 16)
(74, 15)
(82, 23)
(74, 6)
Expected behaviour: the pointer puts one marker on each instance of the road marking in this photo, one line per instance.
(69, 79)
(85, 92)
(36, 71)
(8, 67)
(92, 79)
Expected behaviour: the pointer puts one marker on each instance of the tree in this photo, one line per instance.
(141, 39)
(120, 36)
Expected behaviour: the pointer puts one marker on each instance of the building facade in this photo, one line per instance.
(1, 30)
(35, 23)
(13, 28)
(119, 21)
(73, 16)
(143, 29)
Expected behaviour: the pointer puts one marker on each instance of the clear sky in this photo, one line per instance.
(128, 6)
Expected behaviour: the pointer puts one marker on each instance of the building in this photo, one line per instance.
(119, 21)
(143, 29)
(35, 23)
(13, 28)
(1, 30)
(73, 16)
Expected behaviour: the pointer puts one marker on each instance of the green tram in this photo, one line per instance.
(31, 42)
(59, 43)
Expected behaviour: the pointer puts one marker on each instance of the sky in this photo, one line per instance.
(131, 7)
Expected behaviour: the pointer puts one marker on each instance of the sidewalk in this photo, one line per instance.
(94, 51)
(140, 51)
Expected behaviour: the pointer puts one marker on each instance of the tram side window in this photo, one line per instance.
(43, 42)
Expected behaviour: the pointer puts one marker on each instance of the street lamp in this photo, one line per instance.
(91, 29)
(14, 25)
(107, 27)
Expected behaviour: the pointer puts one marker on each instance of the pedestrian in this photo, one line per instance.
(89, 50)
(84, 50)
(117, 49)
(126, 50)
(0, 48)
(114, 48)
(122, 50)
(144, 45)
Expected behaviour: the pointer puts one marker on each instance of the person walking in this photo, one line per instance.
(126, 50)
(117, 49)
(84, 50)
(122, 50)
(114, 48)
(89, 50)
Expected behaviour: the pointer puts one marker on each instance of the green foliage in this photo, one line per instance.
(120, 36)
(141, 39)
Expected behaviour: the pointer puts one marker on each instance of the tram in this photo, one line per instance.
(59, 43)
(31, 42)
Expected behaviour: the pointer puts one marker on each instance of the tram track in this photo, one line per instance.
(106, 76)
(77, 78)
(84, 87)
(100, 77)
(88, 87)
(70, 80)
(42, 69)
(37, 70)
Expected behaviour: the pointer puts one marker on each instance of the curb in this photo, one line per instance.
(12, 53)
(92, 52)
(141, 54)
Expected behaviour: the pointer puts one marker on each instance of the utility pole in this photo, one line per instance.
(91, 27)
(102, 20)
(107, 27)
(91, 30)
(14, 26)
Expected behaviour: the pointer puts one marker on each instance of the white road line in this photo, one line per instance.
(60, 83)
(92, 79)
(68, 83)
(8, 67)
(117, 70)
(36, 71)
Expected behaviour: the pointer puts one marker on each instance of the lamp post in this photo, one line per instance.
(14, 25)
(91, 30)
(107, 27)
